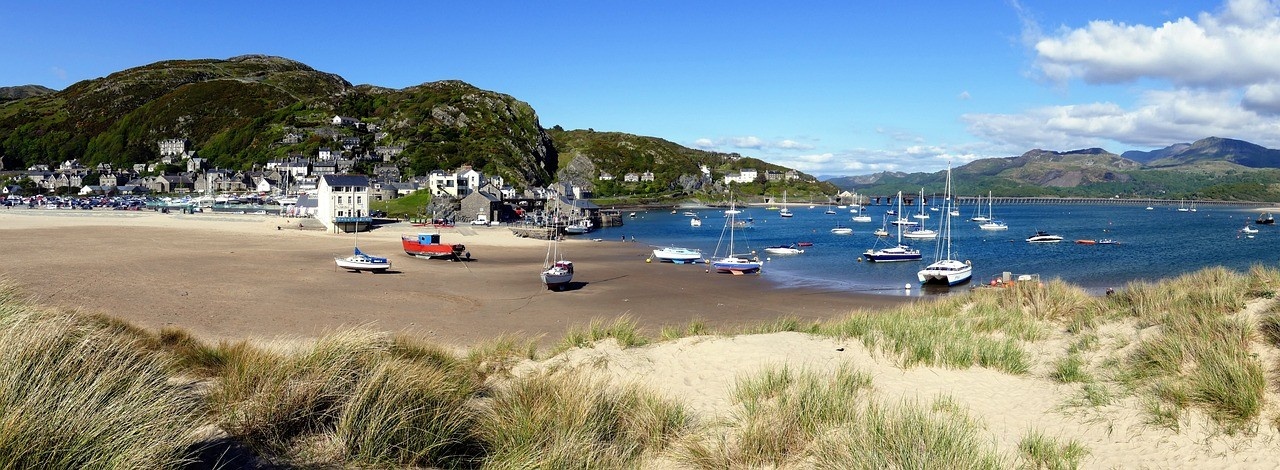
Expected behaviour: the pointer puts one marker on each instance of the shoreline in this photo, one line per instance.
(233, 277)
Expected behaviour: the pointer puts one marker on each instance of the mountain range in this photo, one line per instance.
(244, 111)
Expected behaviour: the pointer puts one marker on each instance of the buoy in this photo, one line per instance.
(648, 260)
(859, 259)
(907, 287)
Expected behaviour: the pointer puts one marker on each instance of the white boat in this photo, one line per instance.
(860, 216)
(841, 230)
(977, 212)
(359, 261)
(689, 214)
(783, 250)
(733, 263)
(994, 225)
(921, 234)
(695, 222)
(557, 272)
(579, 227)
(921, 214)
(883, 231)
(1182, 206)
(1042, 236)
(786, 210)
(894, 253)
(944, 269)
(1248, 229)
(677, 255)
(1150, 208)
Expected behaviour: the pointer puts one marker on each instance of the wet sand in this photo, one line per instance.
(238, 277)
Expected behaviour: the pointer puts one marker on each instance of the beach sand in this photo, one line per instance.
(229, 276)
(238, 277)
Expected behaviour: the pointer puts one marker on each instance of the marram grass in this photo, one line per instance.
(1040, 451)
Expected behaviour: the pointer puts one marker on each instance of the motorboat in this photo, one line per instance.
(1248, 229)
(689, 214)
(677, 255)
(1044, 237)
(1086, 242)
(783, 250)
(428, 245)
(1108, 241)
(1265, 219)
(359, 261)
(695, 222)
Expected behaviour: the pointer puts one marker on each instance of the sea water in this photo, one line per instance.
(1153, 244)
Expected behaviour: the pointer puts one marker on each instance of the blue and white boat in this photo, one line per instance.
(677, 255)
(734, 263)
(359, 261)
(900, 252)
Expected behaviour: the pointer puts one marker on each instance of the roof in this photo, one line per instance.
(346, 180)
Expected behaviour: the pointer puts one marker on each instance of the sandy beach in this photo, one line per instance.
(229, 276)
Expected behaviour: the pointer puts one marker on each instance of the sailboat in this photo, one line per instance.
(736, 264)
(557, 272)
(361, 261)
(921, 214)
(990, 223)
(786, 210)
(861, 215)
(896, 253)
(977, 211)
(944, 269)
(829, 211)
(883, 231)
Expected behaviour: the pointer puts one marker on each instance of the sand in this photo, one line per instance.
(229, 276)
(238, 277)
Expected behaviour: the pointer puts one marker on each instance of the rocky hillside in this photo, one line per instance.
(1212, 150)
(236, 113)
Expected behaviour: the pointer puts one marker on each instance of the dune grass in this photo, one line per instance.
(624, 329)
(1040, 451)
(74, 394)
(908, 435)
(1198, 354)
(567, 420)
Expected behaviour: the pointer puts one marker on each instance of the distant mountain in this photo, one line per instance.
(1145, 157)
(863, 180)
(1217, 149)
(11, 93)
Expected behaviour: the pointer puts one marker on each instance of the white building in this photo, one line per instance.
(746, 175)
(459, 184)
(173, 147)
(343, 202)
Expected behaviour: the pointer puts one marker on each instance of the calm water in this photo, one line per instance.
(1154, 244)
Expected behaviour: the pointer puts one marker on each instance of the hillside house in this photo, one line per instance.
(631, 178)
(172, 147)
(604, 176)
(344, 121)
(646, 176)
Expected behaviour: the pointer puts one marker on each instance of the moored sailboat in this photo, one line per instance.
(944, 269)
(900, 252)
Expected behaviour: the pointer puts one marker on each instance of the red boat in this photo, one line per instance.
(427, 245)
(805, 243)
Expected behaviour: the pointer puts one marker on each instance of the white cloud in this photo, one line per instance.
(1262, 98)
(964, 96)
(748, 142)
(1160, 118)
(704, 144)
(788, 144)
(1236, 47)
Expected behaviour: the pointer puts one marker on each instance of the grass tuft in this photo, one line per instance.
(624, 329)
(1040, 451)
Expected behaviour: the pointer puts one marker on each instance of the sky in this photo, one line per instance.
(830, 88)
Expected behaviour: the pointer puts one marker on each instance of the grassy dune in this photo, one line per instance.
(80, 391)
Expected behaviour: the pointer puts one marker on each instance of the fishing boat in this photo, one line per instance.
(900, 252)
(945, 269)
(1042, 236)
(733, 263)
(428, 245)
(677, 255)
(783, 250)
(841, 230)
(359, 261)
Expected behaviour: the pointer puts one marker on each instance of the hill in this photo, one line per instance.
(11, 93)
(1215, 150)
(236, 112)
(1094, 173)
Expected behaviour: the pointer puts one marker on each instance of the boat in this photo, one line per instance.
(977, 216)
(994, 225)
(1265, 219)
(557, 272)
(1150, 208)
(900, 252)
(841, 230)
(359, 261)
(1248, 229)
(579, 227)
(861, 215)
(632, 215)
(734, 263)
(921, 234)
(921, 214)
(677, 255)
(1086, 242)
(1108, 241)
(695, 222)
(689, 214)
(785, 211)
(1182, 206)
(804, 243)
(427, 245)
(1042, 236)
(783, 250)
(944, 269)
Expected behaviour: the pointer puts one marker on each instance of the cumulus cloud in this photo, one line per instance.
(1262, 98)
(704, 144)
(749, 143)
(1235, 47)
(789, 144)
(1159, 118)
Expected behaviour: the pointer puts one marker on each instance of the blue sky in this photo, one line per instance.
(831, 88)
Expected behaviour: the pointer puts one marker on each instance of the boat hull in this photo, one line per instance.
(736, 266)
(677, 255)
(558, 276)
(362, 262)
(949, 272)
(427, 245)
(891, 255)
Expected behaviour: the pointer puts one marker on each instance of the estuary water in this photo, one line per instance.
(1153, 244)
